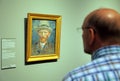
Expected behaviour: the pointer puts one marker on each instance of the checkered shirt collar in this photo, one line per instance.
(107, 50)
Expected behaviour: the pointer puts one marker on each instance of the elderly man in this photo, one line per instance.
(43, 46)
(101, 38)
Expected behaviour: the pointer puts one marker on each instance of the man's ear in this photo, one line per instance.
(91, 36)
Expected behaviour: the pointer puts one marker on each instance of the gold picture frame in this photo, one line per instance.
(41, 28)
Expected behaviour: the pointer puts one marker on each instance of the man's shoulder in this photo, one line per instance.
(81, 70)
(98, 63)
(78, 72)
(96, 67)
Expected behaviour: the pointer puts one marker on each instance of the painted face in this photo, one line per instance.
(44, 35)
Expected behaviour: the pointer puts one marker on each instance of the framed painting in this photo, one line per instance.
(43, 37)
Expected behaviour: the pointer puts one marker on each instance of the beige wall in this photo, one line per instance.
(12, 14)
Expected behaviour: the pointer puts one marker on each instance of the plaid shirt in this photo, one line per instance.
(104, 67)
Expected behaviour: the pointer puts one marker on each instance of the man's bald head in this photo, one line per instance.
(106, 23)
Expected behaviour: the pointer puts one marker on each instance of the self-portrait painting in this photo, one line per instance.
(43, 37)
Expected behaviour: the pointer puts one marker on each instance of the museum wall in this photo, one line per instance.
(12, 25)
